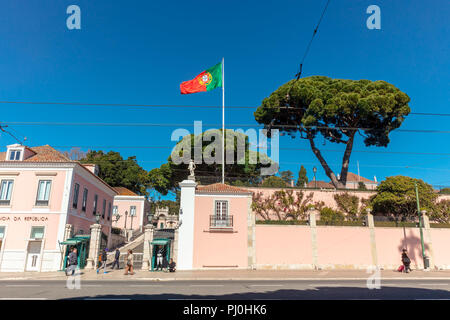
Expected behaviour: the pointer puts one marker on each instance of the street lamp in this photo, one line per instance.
(126, 214)
(315, 181)
(117, 216)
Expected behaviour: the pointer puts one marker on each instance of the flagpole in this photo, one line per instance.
(223, 120)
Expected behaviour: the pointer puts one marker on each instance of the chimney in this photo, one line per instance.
(91, 167)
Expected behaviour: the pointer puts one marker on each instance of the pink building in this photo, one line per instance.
(219, 230)
(130, 210)
(42, 191)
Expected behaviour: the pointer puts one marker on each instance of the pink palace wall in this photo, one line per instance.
(220, 249)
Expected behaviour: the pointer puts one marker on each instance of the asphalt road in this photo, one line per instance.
(217, 290)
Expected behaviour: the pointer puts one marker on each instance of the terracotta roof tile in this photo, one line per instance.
(320, 184)
(121, 191)
(42, 154)
(221, 188)
(351, 177)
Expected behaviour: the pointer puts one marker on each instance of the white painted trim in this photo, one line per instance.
(129, 198)
(222, 195)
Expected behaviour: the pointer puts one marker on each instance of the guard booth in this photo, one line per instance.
(81, 242)
(164, 238)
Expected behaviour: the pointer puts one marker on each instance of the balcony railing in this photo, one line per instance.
(4, 202)
(220, 222)
(42, 203)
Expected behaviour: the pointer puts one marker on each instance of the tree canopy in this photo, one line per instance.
(337, 109)
(246, 167)
(396, 196)
(274, 182)
(287, 176)
(302, 180)
(118, 172)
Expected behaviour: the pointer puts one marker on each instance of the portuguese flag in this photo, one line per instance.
(206, 81)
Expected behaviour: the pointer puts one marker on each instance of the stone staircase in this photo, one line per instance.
(136, 244)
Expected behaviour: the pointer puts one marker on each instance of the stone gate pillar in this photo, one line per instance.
(94, 246)
(148, 237)
(312, 225)
(373, 241)
(186, 226)
(68, 231)
(427, 239)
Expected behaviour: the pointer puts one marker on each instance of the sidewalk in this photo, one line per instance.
(117, 275)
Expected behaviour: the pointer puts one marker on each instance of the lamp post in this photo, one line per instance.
(117, 216)
(315, 181)
(420, 226)
(126, 214)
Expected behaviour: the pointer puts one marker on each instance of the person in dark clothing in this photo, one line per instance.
(116, 259)
(73, 262)
(172, 266)
(406, 261)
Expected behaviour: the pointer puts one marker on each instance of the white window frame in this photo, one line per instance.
(221, 214)
(8, 195)
(46, 200)
(15, 152)
(115, 211)
(43, 232)
(132, 211)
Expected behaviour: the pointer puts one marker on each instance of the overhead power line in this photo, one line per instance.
(170, 106)
(146, 124)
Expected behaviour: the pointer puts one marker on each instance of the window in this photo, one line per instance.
(109, 211)
(221, 218)
(221, 210)
(43, 194)
(2, 233)
(115, 210)
(132, 211)
(85, 195)
(37, 232)
(14, 155)
(104, 208)
(161, 225)
(5, 191)
(76, 190)
(94, 212)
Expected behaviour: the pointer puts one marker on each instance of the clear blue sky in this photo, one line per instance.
(138, 52)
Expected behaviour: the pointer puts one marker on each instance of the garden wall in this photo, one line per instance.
(337, 247)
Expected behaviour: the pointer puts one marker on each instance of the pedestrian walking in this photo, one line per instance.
(103, 258)
(116, 259)
(406, 261)
(72, 261)
(129, 263)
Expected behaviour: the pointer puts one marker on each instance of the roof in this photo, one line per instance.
(122, 191)
(42, 154)
(221, 188)
(320, 184)
(351, 177)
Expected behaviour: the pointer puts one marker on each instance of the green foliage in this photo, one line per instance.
(445, 191)
(441, 213)
(174, 206)
(362, 186)
(169, 175)
(287, 176)
(274, 182)
(117, 172)
(302, 177)
(311, 106)
(348, 204)
(330, 216)
(396, 196)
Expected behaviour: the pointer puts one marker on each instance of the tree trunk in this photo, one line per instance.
(323, 163)
(346, 159)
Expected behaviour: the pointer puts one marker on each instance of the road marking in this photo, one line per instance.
(433, 284)
(22, 285)
(23, 299)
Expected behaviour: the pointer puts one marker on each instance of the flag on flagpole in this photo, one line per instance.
(206, 81)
